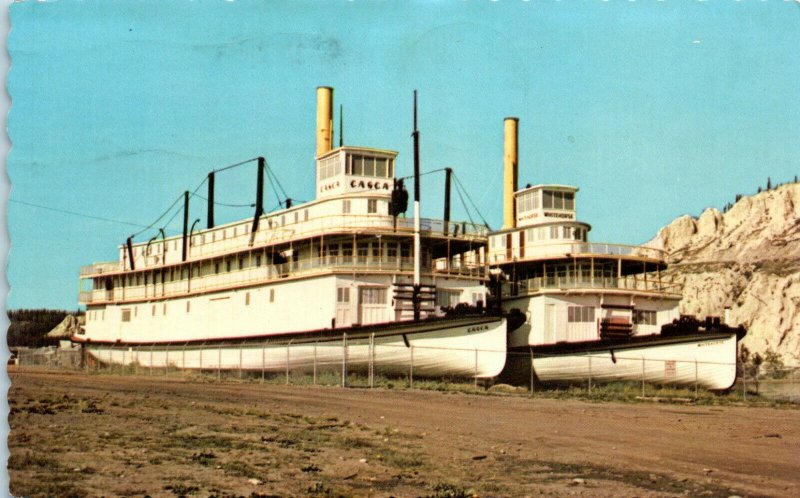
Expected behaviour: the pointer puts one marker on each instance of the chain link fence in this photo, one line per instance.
(365, 363)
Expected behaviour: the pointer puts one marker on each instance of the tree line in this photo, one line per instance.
(29, 327)
(769, 186)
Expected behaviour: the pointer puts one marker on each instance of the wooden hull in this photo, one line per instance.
(464, 347)
(706, 360)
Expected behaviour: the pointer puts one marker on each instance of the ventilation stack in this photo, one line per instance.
(324, 119)
(510, 173)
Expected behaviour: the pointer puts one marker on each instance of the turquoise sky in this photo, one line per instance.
(654, 109)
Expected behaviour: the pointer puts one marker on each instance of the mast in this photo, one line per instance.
(416, 296)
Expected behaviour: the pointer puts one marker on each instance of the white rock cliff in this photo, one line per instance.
(748, 260)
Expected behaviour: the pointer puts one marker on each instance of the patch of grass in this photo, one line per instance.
(240, 469)
(32, 461)
(203, 458)
(445, 490)
(181, 489)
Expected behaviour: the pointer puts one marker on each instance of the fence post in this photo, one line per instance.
(531, 365)
(123, 359)
(590, 373)
(263, 360)
(151, 358)
(110, 365)
(744, 383)
(219, 362)
(136, 364)
(183, 359)
(314, 380)
(288, 345)
(344, 359)
(372, 360)
(695, 379)
(166, 361)
(476, 369)
(411, 370)
(202, 347)
(643, 377)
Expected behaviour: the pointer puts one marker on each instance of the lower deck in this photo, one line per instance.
(277, 307)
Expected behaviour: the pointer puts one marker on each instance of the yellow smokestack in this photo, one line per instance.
(324, 119)
(510, 156)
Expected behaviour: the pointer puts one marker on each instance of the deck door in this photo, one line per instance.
(344, 317)
(372, 305)
(550, 324)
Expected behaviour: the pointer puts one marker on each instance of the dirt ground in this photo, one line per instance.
(106, 435)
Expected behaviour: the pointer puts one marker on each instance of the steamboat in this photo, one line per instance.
(340, 280)
(595, 311)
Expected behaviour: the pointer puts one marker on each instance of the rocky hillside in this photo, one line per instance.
(746, 259)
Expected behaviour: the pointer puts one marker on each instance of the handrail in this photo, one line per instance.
(269, 273)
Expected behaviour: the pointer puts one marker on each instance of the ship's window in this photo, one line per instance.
(164, 309)
(147, 278)
(126, 314)
(569, 200)
(258, 260)
(567, 231)
(391, 250)
(247, 299)
(447, 298)
(644, 317)
(203, 239)
(283, 220)
(228, 265)
(184, 273)
(362, 249)
(216, 267)
(372, 205)
(358, 165)
(577, 314)
(246, 229)
(346, 207)
(373, 295)
(333, 250)
(103, 314)
(553, 232)
(380, 167)
(153, 311)
(529, 233)
(272, 295)
(347, 252)
(476, 298)
(405, 251)
(296, 216)
(376, 249)
(188, 306)
(343, 295)
(135, 311)
(305, 215)
(241, 263)
(213, 236)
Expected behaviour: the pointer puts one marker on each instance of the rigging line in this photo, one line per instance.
(173, 216)
(222, 203)
(270, 173)
(269, 177)
(74, 213)
(159, 218)
(458, 191)
(422, 174)
(471, 201)
(234, 165)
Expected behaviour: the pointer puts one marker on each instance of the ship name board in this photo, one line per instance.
(369, 185)
(547, 214)
(477, 328)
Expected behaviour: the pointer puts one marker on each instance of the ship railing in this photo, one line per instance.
(271, 231)
(100, 268)
(265, 273)
(637, 283)
(575, 249)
